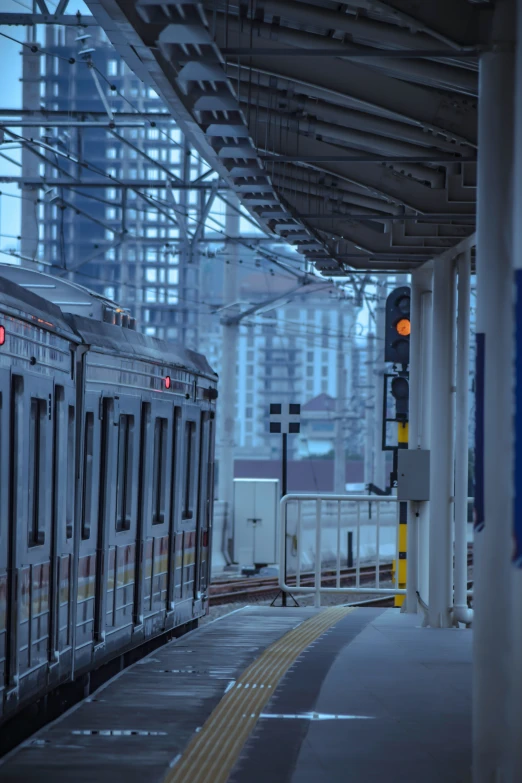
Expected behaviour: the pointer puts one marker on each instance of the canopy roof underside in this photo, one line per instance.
(347, 128)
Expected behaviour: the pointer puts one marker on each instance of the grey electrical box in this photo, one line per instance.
(413, 474)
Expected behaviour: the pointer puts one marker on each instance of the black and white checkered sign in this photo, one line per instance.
(285, 418)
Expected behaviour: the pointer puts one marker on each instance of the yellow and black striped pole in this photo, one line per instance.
(402, 443)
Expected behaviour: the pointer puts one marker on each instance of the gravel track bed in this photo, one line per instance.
(332, 599)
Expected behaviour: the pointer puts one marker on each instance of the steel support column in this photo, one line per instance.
(493, 490)
(515, 712)
(442, 431)
(30, 163)
(369, 461)
(460, 603)
(419, 433)
(227, 392)
(340, 409)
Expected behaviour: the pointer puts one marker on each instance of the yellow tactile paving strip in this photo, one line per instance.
(212, 752)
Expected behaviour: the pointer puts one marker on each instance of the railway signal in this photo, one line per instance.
(400, 390)
(398, 327)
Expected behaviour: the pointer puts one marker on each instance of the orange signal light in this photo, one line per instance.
(404, 327)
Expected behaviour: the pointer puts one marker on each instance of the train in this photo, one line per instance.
(106, 485)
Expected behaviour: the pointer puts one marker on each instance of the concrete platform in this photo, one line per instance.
(411, 684)
(332, 696)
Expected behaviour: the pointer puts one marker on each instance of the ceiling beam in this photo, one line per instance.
(340, 158)
(376, 177)
(304, 107)
(349, 53)
(297, 43)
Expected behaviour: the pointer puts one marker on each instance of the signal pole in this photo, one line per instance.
(397, 350)
(379, 469)
(369, 445)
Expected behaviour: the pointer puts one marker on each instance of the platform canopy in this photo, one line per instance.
(348, 128)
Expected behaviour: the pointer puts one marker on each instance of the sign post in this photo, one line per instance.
(284, 419)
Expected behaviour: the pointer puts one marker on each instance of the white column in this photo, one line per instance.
(340, 408)
(493, 535)
(419, 432)
(442, 432)
(425, 436)
(460, 604)
(227, 389)
(515, 714)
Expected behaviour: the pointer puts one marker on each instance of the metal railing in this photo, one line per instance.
(314, 530)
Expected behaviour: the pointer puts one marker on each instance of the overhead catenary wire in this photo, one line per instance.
(35, 49)
(146, 197)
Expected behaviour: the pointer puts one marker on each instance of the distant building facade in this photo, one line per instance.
(142, 251)
(124, 242)
(289, 354)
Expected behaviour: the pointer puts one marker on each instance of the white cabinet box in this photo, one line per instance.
(256, 509)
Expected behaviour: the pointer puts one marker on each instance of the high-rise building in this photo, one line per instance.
(133, 231)
(289, 354)
(134, 236)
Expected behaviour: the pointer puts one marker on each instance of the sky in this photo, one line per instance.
(11, 98)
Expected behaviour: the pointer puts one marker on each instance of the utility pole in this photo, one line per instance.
(228, 382)
(30, 165)
(340, 405)
(369, 463)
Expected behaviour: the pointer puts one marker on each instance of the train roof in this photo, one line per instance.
(68, 296)
(24, 303)
(62, 305)
(137, 345)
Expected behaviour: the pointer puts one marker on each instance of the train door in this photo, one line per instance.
(118, 519)
(157, 461)
(62, 543)
(30, 542)
(187, 504)
(205, 498)
(5, 457)
(89, 452)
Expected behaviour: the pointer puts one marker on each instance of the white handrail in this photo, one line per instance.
(319, 500)
(376, 521)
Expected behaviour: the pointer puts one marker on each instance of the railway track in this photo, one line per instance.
(258, 588)
(263, 587)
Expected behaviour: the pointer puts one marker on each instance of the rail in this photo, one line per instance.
(315, 528)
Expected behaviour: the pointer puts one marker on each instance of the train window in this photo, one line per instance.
(69, 498)
(176, 435)
(124, 478)
(88, 458)
(36, 502)
(159, 473)
(190, 462)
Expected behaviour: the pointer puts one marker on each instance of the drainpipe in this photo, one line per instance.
(461, 613)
